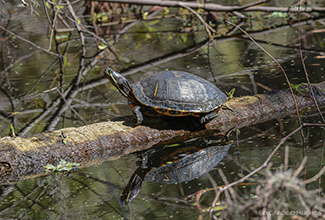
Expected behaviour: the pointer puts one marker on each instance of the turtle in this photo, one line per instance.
(175, 164)
(171, 93)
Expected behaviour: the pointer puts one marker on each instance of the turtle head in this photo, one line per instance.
(120, 82)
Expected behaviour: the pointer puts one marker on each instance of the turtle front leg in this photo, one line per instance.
(137, 114)
(214, 114)
(210, 116)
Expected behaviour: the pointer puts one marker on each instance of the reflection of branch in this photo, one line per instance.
(71, 93)
(25, 197)
(72, 109)
(215, 7)
(27, 41)
(39, 78)
(40, 117)
(208, 28)
(127, 27)
(17, 61)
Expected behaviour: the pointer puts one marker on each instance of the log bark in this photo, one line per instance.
(25, 157)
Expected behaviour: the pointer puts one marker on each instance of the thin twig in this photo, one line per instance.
(286, 158)
(314, 178)
(300, 168)
(321, 163)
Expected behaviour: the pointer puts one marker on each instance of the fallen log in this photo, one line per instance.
(25, 157)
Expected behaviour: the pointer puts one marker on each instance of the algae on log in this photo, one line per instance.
(23, 157)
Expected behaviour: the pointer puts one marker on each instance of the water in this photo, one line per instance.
(32, 85)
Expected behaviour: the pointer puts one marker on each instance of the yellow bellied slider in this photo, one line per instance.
(171, 93)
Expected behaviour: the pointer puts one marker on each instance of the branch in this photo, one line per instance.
(216, 7)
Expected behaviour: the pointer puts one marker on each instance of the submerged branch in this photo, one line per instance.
(23, 156)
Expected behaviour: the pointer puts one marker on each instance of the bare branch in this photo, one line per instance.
(216, 7)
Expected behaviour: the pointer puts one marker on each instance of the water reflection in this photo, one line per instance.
(93, 192)
(177, 163)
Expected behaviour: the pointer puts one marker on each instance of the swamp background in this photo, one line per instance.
(51, 77)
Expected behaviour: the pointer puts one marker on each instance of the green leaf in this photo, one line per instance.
(145, 15)
(172, 145)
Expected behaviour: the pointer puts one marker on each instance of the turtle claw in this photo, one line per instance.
(228, 107)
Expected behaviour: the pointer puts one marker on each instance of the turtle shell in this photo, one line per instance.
(179, 91)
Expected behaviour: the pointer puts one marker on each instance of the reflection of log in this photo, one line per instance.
(93, 143)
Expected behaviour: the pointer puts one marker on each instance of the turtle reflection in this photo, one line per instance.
(177, 163)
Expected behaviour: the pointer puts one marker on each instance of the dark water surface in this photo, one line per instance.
(31, 85)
